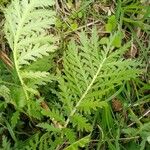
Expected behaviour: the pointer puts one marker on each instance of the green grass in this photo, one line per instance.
(123, 120)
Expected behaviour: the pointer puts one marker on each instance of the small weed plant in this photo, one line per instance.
(56, 92)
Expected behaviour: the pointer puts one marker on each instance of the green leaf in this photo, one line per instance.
(54, 114)
(18, 97)
(35, 52)
(22, 18)
(14, 119)
(80, 143)
(81, 123)
(35, 75)
(104, 40)
(26, 24)
(112, 24)
(87, 106)
(5, 93)
(80, 14)
(118, 40)
(74, 26)
(148, 139)
(90, 71)
(35, 109)
(48, 127)
(44, 64)
(6, 145)
(70, 135)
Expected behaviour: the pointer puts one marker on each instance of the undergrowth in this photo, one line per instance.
(74, 75)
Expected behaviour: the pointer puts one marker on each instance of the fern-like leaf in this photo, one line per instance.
(81, 123)
(5, 144)
(25, 28)
(54, 114)
(80, 143)
(70, 135)
(90, 72)
(48, 127)
(5, 93)
(14, 119)
(35, 75)
(87, 106)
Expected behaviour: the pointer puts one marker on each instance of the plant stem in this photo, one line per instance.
(15, 53)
